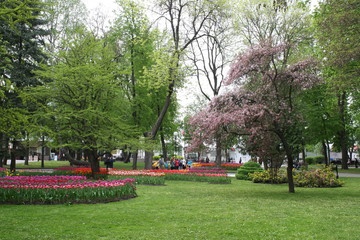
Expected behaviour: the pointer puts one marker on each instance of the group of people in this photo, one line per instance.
(173, 164)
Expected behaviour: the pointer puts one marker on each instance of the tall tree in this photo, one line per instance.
(185, 20)
(89, 109)
(64, 17)
(266, 99)
(210, 55)
(318, 106)
(21, 30)
(137, 48)
(337, 31)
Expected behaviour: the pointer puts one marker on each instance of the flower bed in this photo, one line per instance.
(198, 177)
(227, 166)
(140, 176)
(62, 189)
(187, 175)
(207, 170)
(80, 171)
(156, 175)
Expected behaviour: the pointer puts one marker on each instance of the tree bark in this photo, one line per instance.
(218, 152)
(289, 156)
(2, 149)
(163, 145)
(325, 153)
(5, 148)
(13, 156)
(128, 156)
(27, 150)
(303, 155)
(135, 159)
(42, 151)
(94, 162)
(342, 135)
(148, 159)
(72, 160)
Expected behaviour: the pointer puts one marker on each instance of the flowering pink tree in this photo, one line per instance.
(264, 100)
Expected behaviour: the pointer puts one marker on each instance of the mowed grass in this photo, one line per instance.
(192, 210)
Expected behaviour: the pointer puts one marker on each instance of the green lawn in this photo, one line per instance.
(350, 170)
(191, 210)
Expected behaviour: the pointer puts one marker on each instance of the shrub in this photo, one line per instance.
(156, 157)
(317, 178)
(269, 176)
(249, 167)
(309, 160)
(319, 159)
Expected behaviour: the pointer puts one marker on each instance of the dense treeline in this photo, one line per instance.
(78, 86)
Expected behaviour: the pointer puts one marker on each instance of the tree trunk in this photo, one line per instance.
(5, 150)
(303, 155)
(289, 155)
(13, 156)
(324, 150)
(79, 155)
(148, 159)
(218, 152)
(290, 171)
(128, 156)
(27, 150)
(2, 149)
(72, 160)
(42, 151)
(135, 158)
(342, 135)
(94, 162)
(151, 135)
(163, 145)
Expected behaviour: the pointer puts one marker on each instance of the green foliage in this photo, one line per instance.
(248, 167)
(139, 179)
(21, 30)
(269, 176)
(322, 177)
(16, 11)
(309, 160)
(317, 178)
(315, 160)
(198, 178)
(319, 159)
(156, 157)
(90, 111)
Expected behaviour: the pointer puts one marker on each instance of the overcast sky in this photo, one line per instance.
(107, 6)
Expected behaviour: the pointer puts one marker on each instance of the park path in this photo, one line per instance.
(229, 174)
(340, 175)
